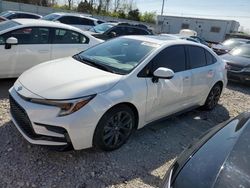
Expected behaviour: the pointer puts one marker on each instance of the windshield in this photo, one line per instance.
(120, 55)
(102, 27)
(243, 51)
(3, 14)
(7, 25)
(232, 43)
(50, 17)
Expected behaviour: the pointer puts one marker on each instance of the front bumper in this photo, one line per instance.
(39, 124)
(239, 76)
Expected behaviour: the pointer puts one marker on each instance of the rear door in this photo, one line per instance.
(67, 43)
(202, 71)
(33, 48)
(167, 96)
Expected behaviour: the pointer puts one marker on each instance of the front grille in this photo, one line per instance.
(21, 118)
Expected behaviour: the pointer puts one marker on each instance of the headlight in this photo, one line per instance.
(67, 106)
(246, 69)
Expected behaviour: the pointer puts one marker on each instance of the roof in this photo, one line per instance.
(45, 23)
(12, 11)
(88, 16)
(182, 17)
(161, 40)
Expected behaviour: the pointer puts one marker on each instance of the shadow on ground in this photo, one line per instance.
(149, 151)
(236, 86)
(5, 85)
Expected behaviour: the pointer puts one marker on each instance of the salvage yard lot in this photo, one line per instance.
(142, 162)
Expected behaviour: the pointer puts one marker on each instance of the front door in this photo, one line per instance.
(33, 47)
(8, 60)
(168, 96)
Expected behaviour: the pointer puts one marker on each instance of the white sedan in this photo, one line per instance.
(100, 96)
(27, 42)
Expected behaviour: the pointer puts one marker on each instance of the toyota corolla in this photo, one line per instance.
(100, 96)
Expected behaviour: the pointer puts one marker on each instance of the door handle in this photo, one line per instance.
(186, 78)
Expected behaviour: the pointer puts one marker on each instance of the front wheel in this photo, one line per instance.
(213, 97)
(114, 128)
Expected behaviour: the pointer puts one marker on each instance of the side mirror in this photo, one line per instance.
(11, 41)
(112, 34)
(164, 73)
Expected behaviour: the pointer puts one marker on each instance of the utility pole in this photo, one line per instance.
(162, 10)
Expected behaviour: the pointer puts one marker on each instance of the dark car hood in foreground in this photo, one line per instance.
(219, 159)
(236, 60)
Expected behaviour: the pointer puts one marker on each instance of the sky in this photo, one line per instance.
(238, 10)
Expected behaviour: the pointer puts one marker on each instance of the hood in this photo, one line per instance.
(236, 60)
(67, 78)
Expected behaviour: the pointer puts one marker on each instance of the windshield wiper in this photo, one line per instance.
(92, 63)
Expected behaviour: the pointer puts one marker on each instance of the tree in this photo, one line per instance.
(85, 6)
(134, 15)
(149, 17)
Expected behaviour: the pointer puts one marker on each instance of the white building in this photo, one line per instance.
(210, 29)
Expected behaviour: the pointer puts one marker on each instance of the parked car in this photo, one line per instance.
(238, 61)
(100, 96)
(83, 22)
(195, 39)
(28, 42)
(122, 29)
(228, 45)
(2, 19)
(200, 40)
(101, 28)
(18, 14)
(218, 159)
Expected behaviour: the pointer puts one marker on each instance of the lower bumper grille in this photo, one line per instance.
(21, 118)
(24, 123)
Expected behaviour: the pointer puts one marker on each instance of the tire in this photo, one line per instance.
(114, 128)
(213, 97)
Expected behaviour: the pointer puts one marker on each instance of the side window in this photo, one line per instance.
(30, 35)
(210, 58)
(31, 16)
(197, 57)
(85, 21)
(63, 36)
(142, 32)
(70, 20)
(173, 57)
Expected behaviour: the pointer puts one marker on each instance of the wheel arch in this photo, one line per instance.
(132, 107)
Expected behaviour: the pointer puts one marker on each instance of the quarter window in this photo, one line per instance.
(197, 57)
(63, 36)
(210, 58)
(172, 57)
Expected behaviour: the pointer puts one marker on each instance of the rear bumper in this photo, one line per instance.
(239, 76)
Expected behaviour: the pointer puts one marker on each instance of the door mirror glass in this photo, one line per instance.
(164, 73)
(12, 41)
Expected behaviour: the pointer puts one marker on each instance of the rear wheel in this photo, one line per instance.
(213, 97)
(114, 128)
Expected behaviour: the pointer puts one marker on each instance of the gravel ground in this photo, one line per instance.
(142, 162)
